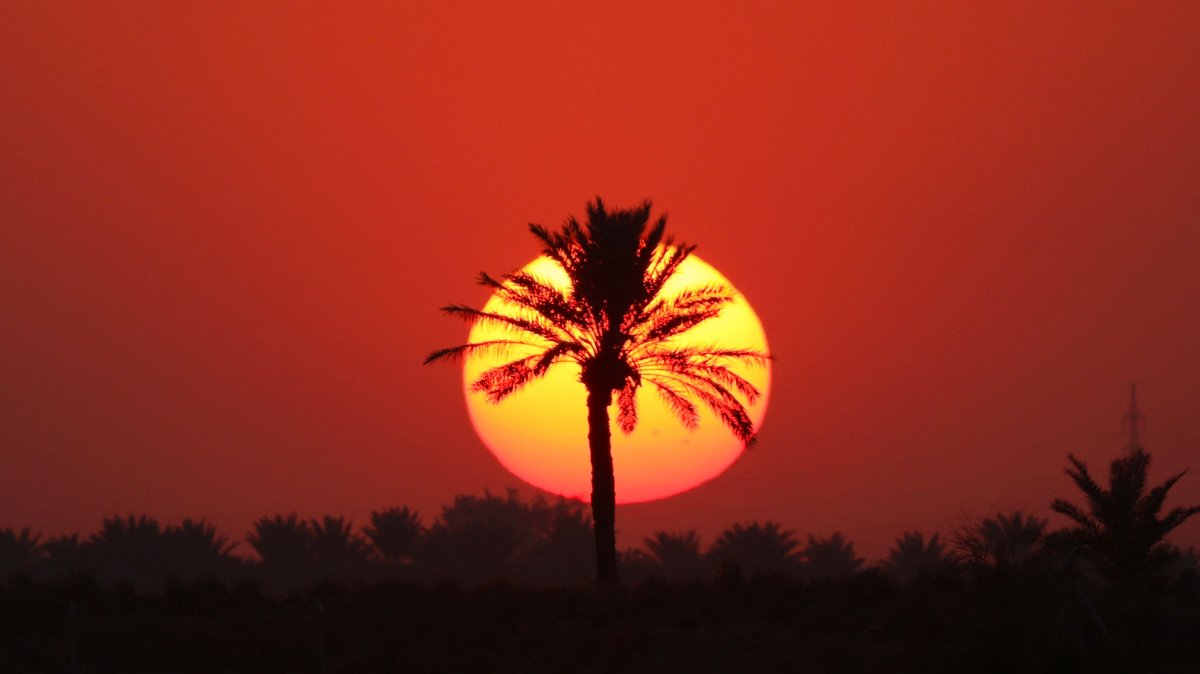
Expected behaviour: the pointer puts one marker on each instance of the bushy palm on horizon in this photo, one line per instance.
(129, 549)
(831, 557)
(193, 549)
(1123, 523)
(758, 549)
(479, 539)
(677, 556)
(913, 556)
(613, 324)
(18, 550)
(66, 556)
(281, 541)
(1002, 542)
(394, 533)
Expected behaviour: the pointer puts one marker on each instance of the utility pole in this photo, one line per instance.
(1133, 421)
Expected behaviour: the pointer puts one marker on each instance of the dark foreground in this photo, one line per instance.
(862, 624)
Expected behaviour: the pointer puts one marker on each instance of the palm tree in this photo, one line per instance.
(913, 556)
(1123, 524)
(831, 557)
(194, 550)
(18, 550)
(614, 325)
(394, 533)
(760, 549)
(339, 553)
(284, 544)
(677, 556)
(1002, 542)
(480, 539)
(130, 549)
(66, 556)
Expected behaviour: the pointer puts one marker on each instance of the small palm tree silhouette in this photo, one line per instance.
(479, 539)
(913, 556)
(18, 550)
(130, 549)
(1002, 542)
(831, 557)
(677, 556)
(1123, 524)
(338, 552)
(193, 550)
(757, 548)
(613, 323)
(394, 533)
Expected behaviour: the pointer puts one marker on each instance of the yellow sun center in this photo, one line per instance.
(540, 432)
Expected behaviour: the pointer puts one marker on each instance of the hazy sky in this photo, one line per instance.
(225, 232)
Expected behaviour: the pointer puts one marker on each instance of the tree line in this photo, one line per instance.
(1119, 533)
(497, 581)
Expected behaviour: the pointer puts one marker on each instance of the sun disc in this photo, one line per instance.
(540, 432)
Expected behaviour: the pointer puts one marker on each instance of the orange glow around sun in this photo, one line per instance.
(540, 432)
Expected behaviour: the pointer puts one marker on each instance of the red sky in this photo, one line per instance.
(225, 232)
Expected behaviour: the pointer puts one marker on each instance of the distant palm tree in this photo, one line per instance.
(677, 556)
(338, 552)
(564, 554)
(831, 557)
(613, 324)
(66, 556)
(193, 550)
(759, 549)
(1123, 524)
(130, 549)
(913, 556)
(394, 533)
(284, 544)
(1002, 542)
(18, 550)
(479, 539)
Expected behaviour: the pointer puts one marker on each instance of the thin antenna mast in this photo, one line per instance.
(1134, 422)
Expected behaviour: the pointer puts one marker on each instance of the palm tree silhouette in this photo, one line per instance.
(759, 549)
(194, 550)
(394, 533)
(677, 556)
(284, 544)
(831, 557)
(998, 544)
(66, 556)
(339, 553)
(130, 549)
(1123, 524)
(480, 539)
(18, 550)
(615, 326)
(913, 556)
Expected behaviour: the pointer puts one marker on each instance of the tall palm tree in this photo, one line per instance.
(1123, 523)
(615, 325)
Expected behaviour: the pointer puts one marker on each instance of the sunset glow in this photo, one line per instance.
(540, 433)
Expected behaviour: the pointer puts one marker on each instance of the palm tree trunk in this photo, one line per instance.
(604, 496)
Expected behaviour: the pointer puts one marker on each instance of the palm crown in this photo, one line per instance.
(614, 322)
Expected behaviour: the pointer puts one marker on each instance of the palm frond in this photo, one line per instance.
(536, 327)
(495, 346)
(627, 416)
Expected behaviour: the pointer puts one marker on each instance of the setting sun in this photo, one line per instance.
(540, 432)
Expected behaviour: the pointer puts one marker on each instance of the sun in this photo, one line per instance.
(540, 432)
